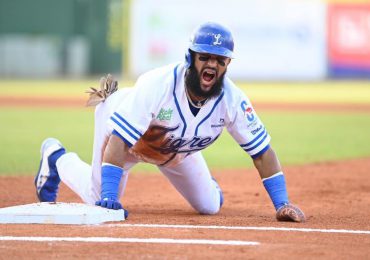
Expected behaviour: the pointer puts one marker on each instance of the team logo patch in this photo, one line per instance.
(165, 114)
(217, 39)
(248, 111)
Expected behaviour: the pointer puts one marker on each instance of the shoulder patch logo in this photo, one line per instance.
(248, 111)
(165, 114)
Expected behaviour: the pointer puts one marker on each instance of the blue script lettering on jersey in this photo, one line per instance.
(248, 111)
(175, 144)
(182, 145)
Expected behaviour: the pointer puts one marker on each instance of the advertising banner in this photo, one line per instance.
(274, 40)
(349, 40)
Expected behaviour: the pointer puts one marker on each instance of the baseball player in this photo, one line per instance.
(166, 119)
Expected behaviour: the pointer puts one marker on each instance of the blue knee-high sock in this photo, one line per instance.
(52, 160)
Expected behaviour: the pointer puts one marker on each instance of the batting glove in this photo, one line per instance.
(109, 204)
(290, 212)
(111, 176)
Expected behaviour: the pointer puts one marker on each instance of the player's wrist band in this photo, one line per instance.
(276, 188)
(110, 179)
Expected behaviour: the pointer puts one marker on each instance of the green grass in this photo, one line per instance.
(23, 130)
(48, 88)
(298, 138)
(344, 92)
(315, 137)
(323, 92)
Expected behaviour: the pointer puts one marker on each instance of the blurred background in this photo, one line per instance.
(300, 40)
(305, 65)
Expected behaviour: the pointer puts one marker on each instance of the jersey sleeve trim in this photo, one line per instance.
(126, 130)
(257, 144)
(123, 139)
(248, 145)
(261, 152)
(125, 122)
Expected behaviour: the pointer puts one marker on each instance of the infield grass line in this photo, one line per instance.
(345, 231)
(131, 240)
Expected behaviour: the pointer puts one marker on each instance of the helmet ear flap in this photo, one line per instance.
(188, 60)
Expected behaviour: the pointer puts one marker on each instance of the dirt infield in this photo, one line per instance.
(335, 197)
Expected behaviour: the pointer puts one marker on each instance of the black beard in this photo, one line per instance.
(192, 82)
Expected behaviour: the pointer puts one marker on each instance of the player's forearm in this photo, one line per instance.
(112, 171)
(115, 152)
(267, 164)
(273, 178)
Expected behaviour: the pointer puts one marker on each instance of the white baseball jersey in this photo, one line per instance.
(155, 120)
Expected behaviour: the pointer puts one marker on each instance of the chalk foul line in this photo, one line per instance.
(131, 240)
(345, 231)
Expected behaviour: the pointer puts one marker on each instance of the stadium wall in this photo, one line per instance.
(305, 40)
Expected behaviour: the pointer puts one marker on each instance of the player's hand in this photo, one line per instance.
(290, 212)
(109, 204)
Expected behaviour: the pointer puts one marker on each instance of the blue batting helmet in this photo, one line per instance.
(211, 38)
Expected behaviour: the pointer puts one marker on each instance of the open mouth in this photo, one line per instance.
(208, 75)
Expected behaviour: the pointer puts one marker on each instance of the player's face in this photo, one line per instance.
(201, 87)
(210, 68)
(192, 81)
